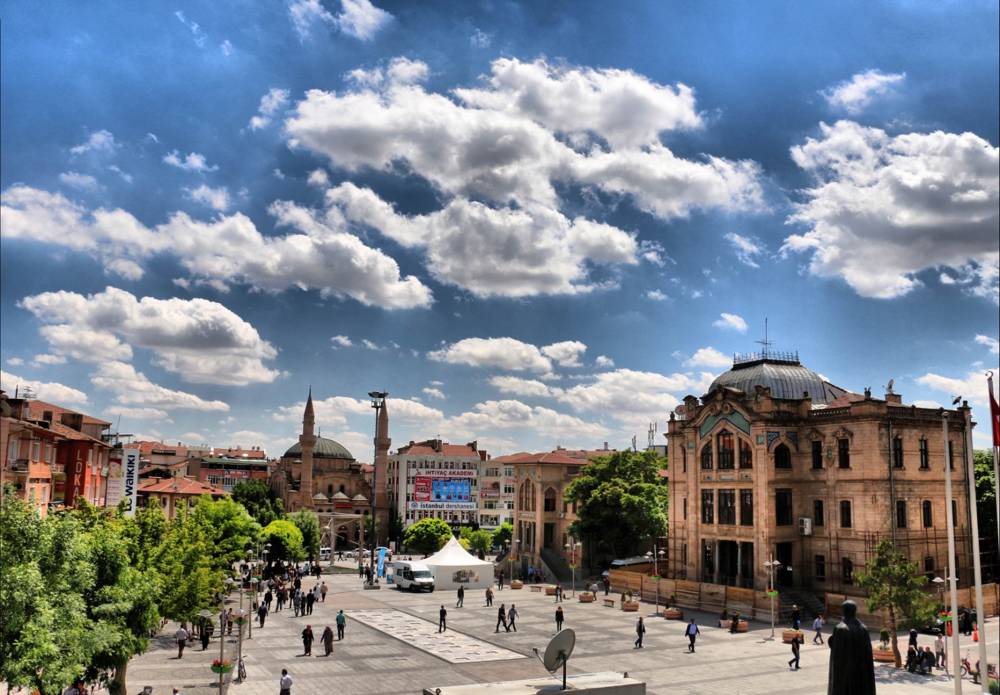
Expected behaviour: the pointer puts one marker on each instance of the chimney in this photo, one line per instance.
(605, 446)
(894, 398)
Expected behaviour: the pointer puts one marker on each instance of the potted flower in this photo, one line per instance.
(629, 603)
(672, 612)
(516, 584)
(221, 665)
(883, 652)
(741, 625)
(586, 597)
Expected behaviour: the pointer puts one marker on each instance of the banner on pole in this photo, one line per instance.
(130, 480)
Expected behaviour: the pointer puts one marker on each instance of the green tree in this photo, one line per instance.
(986, 511)
(896, 585)
(480, 542)
(503, 534)
(285, 539)
(259, 499)
(123, 599)
(427, 536)
(621, 503)
(308, 525)
(46, 636)
(148, 532)
(190, 581)
(228, 528)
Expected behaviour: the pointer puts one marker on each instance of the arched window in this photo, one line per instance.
(706, 457)
(746, 455)
(342, 489)
(550, 499)
(727, 453)
(526, 496)
(782, 457)
(329, 490)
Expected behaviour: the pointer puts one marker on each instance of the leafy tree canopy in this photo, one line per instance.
(621, 502)
(427, 536)
(503, 534)
(228, 528)
(308, 525)
(259, 499)
(285, 539)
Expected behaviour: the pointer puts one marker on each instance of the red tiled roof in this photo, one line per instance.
(70, 433)
(236, 452)
(179, 486)
(37, 408)
(565, 457)
(426, 448)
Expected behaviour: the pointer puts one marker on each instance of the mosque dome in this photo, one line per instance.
(782, 373)
(324, 449)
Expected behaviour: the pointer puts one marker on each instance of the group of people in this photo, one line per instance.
(921, 659)
(326, 637)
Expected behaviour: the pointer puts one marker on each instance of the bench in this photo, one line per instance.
(609, 602)
(541, 587)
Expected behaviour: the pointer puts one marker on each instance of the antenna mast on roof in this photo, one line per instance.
(651, 434)
(765, 343)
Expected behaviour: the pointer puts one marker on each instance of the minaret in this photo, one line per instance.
(308, 440)
(382, 443)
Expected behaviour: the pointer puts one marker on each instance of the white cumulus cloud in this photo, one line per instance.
(272, 102)
(131, 387)
(192, 161)
(731, 322)
(992, 344)
(101, 142)
(747, 250)
(51, 391)
(341, 341)
(855, 94)
(215, 198)
(84, 182)
(504, 353)
(708, 357)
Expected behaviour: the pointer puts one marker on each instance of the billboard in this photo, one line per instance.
(130, 480)
(114, 490)
(444, 489)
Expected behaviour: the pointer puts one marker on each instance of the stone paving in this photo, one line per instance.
(374, 661)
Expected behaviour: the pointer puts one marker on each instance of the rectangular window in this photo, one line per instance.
(707, 507)
(925, 462)
(954, 513)
(817, 454)
(727, 507)
(845, 514)
(927, 514)
(900, 513)
(844, 453)
(897, 452)
(818, 513)
(951, 456)
(847, 570)
(821, 568)
(685, 508)
(746, 507)
(783, 507)
(684, 553)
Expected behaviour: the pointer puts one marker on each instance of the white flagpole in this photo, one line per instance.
(976, 563)
(996, 460)
(956, 666)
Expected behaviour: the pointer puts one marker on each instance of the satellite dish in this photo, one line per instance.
(558, 651)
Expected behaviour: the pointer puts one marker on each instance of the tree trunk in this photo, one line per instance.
(893, 638)
(117, 684)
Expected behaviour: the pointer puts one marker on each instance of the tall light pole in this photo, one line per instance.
(952, 567)
(510, 560)
(977, 571)
(250, 563)
(222, 629)
(771, 565)
(378, 402)
(656, 554)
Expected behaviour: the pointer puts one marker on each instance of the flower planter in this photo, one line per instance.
(586, 597)
(630, 606)
(517, 584)
(550, 589)
(222, 668)
(788, 635)
(673, 614)
(742, 626)
(883, 655)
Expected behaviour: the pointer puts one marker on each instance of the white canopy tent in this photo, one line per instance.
(453, 566)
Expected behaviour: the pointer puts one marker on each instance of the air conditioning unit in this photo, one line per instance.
(805, 526)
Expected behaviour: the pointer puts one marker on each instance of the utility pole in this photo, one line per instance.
(378, 402)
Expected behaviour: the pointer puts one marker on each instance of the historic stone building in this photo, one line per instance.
(321, 475)
(774, 462)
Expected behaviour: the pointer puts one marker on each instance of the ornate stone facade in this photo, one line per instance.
(812, 481)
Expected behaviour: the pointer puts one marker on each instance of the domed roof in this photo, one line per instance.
(324, 449)
(786, 377)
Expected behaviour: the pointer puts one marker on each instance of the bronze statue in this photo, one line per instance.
(852, 670)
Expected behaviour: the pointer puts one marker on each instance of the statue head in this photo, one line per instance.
(849, 609)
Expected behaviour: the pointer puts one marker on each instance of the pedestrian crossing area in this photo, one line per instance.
(453, 647)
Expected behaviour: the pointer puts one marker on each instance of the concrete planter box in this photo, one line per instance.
(788, 635)
(673, 614)
(743, 626)
(630, 606)
(586, 597)
(883, 655)
(550, 589)
(518, 584)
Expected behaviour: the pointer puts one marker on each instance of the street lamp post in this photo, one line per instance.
(572, 546)
(378, 402)
(939, 582)
(771, 565)
(250, 564)
(655, 555)
(510, 560)
(222, 628)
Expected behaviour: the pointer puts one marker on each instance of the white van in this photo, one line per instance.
(414, 576)
(324, 553)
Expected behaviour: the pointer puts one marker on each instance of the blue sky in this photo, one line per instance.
(533, 224)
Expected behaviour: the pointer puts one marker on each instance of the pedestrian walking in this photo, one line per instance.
(818, 627)
(795, 654)
(502, 619)
(442, 619)
(558, 593)
(511, 617)
(461, 597)
(489, 596)
(559, 619)
(229, 621)
(297, 603)
(361, 571)
(261, 613)
(307, 640)
(310, 600)
(796, 617)
(285, 684)
(692, 633)
(181, 636)
(327, 639)
(341, 622)
(322, 592)
(913, 638)
(268, 598)
(500, 581)
(607, 584)
(206, 634)
(640, 630)
(941, 660)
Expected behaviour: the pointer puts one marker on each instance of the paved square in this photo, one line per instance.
(449, 645)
